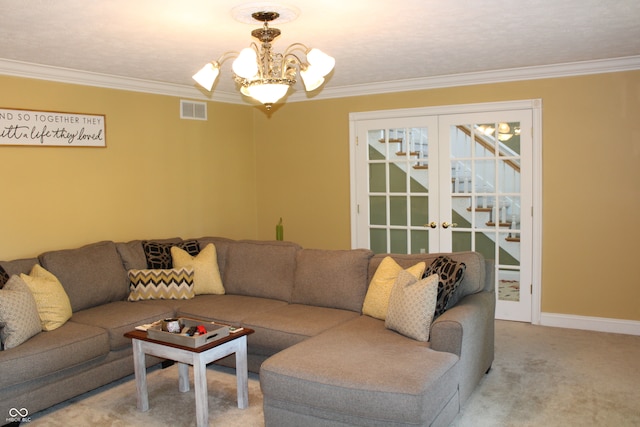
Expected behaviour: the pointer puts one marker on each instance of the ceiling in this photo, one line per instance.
(375, 42)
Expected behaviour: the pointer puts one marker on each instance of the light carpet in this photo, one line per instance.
(541, 376)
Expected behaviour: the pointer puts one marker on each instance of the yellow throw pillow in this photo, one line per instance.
(376, 302)
(52, 301)
(206, 274)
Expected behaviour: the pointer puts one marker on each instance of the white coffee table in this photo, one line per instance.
(196, 357)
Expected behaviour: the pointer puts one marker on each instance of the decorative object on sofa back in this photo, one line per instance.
(206, 274)
(52, 301)
(158, 254)
(149, 284)
(4, 276)
(19, 318)
(376, 302)
(412, 305)
(450, 274)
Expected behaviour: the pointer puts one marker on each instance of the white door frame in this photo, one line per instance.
(536, 106)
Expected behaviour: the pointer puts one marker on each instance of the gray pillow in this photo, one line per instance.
(19, 319)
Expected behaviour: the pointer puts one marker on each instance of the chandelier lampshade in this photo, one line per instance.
(207, 75)
(264, 75)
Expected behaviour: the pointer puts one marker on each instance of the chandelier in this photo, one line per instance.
(265, 75)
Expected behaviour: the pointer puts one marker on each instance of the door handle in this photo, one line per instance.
(432, 224)
(449, 224)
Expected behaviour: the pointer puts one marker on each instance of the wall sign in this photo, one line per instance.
(49, 128)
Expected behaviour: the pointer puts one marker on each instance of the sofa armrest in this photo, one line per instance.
(467, 330)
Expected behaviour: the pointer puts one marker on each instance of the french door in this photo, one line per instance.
(427, 182)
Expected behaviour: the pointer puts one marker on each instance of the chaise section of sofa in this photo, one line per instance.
(362, 374)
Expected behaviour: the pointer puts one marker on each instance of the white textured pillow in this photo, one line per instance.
(206, 274)
(19, 319)
(376, 302)
(412, 305)
(53, 303)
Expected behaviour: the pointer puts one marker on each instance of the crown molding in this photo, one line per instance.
(66, 75)
(109, 81)
(484, 77)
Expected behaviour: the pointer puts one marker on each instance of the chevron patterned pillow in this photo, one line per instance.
(174, 283)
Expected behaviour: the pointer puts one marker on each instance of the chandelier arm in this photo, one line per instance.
(295, 46)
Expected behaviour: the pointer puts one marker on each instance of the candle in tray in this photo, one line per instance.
(279, 231)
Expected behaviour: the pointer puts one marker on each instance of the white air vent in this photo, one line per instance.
(193, 110)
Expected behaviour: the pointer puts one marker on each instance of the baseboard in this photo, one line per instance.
(600, 324)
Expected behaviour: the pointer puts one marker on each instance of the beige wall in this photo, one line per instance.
(159, 176)
(591, 180)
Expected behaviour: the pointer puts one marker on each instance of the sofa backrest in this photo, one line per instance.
(475, 276)
(331, 278)
(91, 275)
(19, 266)
(260, 268)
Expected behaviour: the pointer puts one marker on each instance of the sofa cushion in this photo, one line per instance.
(411, 305)
(175, 283)
(232, 309)
(132, 253)
(120, 317)
(331, 278)
(91, 275)
(49, 352)
(19, 318)
(52, 301)
(450, 274)
(360, 373)
(285, 326)
(18, 266)
(472, 282)
(206, 275)
(376, 301)
(261, 268)
(158, 254)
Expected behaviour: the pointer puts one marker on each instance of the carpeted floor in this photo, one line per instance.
(541, 377)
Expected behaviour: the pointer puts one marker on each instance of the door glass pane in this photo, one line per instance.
(508, 285)
(419, 241)
(376, 141)
(377, 210)
(460, 141)
(419, 211)
(377, 178)
(398, 210)
(397, 177)
(398, 241)
(461, 241)
(485, 245)
(378, 240)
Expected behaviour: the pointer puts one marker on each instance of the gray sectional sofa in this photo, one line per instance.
(321, 361)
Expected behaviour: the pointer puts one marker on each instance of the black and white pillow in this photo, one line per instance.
(4, 276)
(450, 274)
(159, 254)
